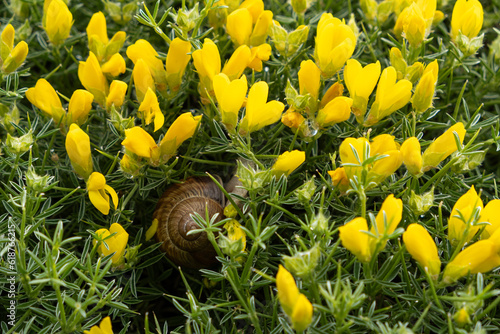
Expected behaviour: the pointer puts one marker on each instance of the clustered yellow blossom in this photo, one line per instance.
(295, 304)
(366, 243)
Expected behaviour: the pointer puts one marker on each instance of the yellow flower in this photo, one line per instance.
(256, 7)
(302, 314)
(230, 97)
(288, 162)
(152, 229)
(423, 249)
(7, 40)
(57, 21)
(380, 169)
(79, 106)
(414, 25)
(339, 179)
(391, 96)
(181, 129)
(115, 65)
(260, 113)
(178, 57)
(142, 49)
(78, 149)
(140, 143)
(467, 18)
(490, 214)
(115, 244)
(412, 155)
(354, 238)
(45, 98)
(479, 257)
(288, 293)
(294, 303)
(97, 188)
(103, 328)
(261, 27)
(116, 95)
(424, 92)
(464, 207)
(335, 43)
(462, 317)
(239, 26)
(259, 54)
(292, 119)
(335, 90)
(336, 111)
(389, 216)
(238, 62)
(143, 80)
(97, 30)
(309, 78)
(360, 81)
(207, 64)
(99, 43)
(442, 147)
(150, 108)
(11, 57)
(236, 234)
(92, 78)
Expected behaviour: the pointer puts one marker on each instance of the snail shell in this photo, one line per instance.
(174, 210)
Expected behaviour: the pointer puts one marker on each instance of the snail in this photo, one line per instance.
(173, 212)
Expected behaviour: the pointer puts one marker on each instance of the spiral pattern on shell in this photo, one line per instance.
(174, 210)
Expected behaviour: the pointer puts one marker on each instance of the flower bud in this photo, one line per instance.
(143, 80)
(296, 38)
(288, 293)
(178, 57)
(45, 98)
(92, 78)
(131, 166)
(335, 43)
(21, 144)
(116, 96)
(355, 238)
(57, 21)
(78, 150)
(423, 249)
(288, 162)
(467, 18)
(424, 92)
(79, 107)
(442, 147)
(413, 25)
(462, 317)
(340, 179)
(412, 155)
(388, 217)
(302, 314)
(186, 19)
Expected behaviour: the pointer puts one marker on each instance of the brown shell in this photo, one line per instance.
(173, 212)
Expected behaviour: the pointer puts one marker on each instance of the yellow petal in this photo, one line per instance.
(139, 142)
(288, 293)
